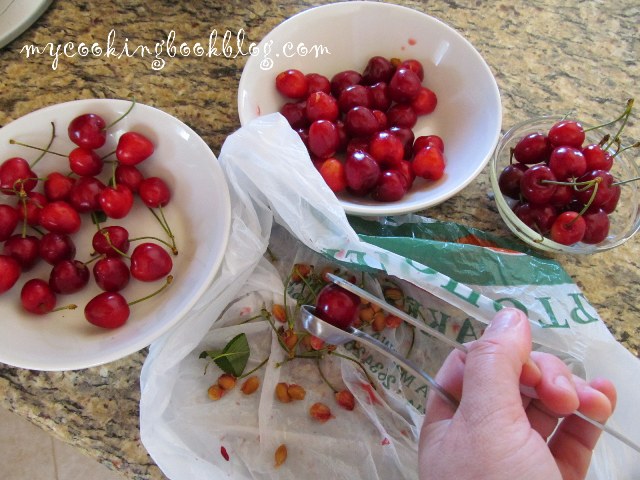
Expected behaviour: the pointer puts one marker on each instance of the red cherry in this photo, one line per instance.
(68, 276)
(407, 172)
(112, 241)
(429, 163)
(150, 262)
(55, 247)
(292, 84)
(60, 217)
(323, 139)
(128, 175)
(88, 131)
(596, 158)
(9, 272)
(425, 102)
(568, 133)
(295, 114)
(344, 79)
(30, 208)
(58, 186)
(415, 66)
(333, 172)
(116, 202)
(610, 205)
(133, 148)
(362, 173)
(532, 148)
(567, 163)
(407, 138)
(380, 99)
(354, 96)
(510, 178)
(404, 85)
(16, 175)
(537, 217)
(107, 310)
(568, 228)
(111, 274)
(597, 226)
(24, 249)
(391, 186)
(604, 192)
(321, 106)
(386, 149)
(84, 195)
(337, 306)
(9, 218)
(84, 162)
(318, 83)
(378, 69)
(154, 192)
(401, 115)
(534, 184)
(37, 297)
(360, 122)
(382, 119)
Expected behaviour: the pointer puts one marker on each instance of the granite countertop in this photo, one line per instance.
(548, 56)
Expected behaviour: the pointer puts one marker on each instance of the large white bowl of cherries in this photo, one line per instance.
(398, 111)
(565, 187)
(114, 217)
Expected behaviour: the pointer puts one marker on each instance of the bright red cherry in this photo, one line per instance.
(321, 106)
(150, 262)
(107, 310)
(318, 83)
(332, 171)
(596, 158)
(605, 188)
(133, 148)
(362, 173)
(337, 306)
(378, 69)
(415, 66)
(116, 202)
(536, 184)
(386, 149)
(425, 102)
(111, 274)
(292, 84)
(532, 148)
(16, 175)
(88, 131)
(429, 163)
(58, 186)
(30, 207)
(9, 218)
(568, 228)
(567, 163)
(84, 162)
(130, 176)
(112, 241)
(154, 192)
(84, 195)
(9, 272)
(37, 297)
(323, 138)
(60, 217)
(404, 85)
(568, 133)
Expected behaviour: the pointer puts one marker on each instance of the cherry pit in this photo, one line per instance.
(562, 185)
(358, 126)
(42, 211)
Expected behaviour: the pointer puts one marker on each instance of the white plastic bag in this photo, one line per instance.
(271, 179)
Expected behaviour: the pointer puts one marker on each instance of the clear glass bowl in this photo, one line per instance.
(625, 220)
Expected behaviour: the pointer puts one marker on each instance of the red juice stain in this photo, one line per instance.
(412, 41)
(223, 452)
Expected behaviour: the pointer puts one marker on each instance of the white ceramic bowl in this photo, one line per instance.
(468, 116)
(199, 216)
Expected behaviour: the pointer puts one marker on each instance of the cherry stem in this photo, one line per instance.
(168, 281)
(15, 142)
(260, 365)
(622, 182)
(71, 306)
(53, 135)
(357, 362)
(323, 377)
(133, 102)
(635, 145)
(165, 226)
(173, 249)
(108, 155)
(625, 116)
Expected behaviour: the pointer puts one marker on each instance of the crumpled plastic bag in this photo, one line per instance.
(278, 197)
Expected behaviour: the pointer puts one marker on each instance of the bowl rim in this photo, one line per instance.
(527, 234)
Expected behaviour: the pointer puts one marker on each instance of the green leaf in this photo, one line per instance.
(234, 356)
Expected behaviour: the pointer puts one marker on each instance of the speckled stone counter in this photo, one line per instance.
(548, 56)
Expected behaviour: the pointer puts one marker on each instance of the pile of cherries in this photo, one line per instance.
(357, 126)
(563, 185)
(40, 215)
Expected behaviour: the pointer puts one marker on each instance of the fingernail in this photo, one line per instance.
(564, 383)
(505, 319)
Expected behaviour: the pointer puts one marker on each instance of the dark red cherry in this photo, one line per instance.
(107, 310)
(37, 297)
(88, 131)
(150, 262)
(337, 306)
(25, 249)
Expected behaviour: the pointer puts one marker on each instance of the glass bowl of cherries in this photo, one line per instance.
(564, 187)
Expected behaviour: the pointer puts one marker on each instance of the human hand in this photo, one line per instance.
(496, 433)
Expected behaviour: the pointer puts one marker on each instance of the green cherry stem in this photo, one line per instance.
(53, 135)
(44, 150)
(173, 249)
(133, 102)
(625, 116)
(628, 147)
(622, 182)
(168, 282)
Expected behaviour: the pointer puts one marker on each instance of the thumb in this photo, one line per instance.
(494, 363)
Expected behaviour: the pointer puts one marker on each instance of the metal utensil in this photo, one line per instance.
(336, 336)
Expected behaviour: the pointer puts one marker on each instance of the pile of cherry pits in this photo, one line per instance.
(357, 127)
(38, 226)
(563, 184)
